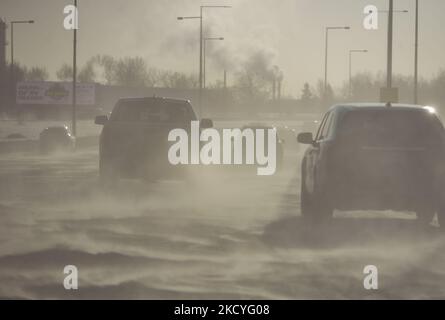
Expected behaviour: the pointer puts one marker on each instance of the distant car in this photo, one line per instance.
(15, 136)
(133, 142)
(56, 138)
(375, 157)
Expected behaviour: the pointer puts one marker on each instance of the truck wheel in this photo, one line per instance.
(314, 209)
(305, 202)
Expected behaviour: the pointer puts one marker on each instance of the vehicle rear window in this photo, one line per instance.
(391, 128)
(152, 111)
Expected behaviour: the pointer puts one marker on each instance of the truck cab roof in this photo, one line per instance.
(166, 99)
(378, 105)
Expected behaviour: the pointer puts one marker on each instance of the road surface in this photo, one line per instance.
(226, 236)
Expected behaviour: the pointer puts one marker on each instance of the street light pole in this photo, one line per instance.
(390, 12)
(200, 62)
(200, 17)
(74, 91)
(416, 56)
(326, 55)
(389, 51)
(204, 63)
(12, 53)
(204, 57)
(12, 46)
(326, 62)
(350, 68)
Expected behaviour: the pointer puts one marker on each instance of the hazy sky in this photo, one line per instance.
(289, 32)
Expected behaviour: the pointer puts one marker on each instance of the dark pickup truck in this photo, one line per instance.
(134, 139)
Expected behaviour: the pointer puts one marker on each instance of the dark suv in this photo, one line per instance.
(134, 140)
(375, 157)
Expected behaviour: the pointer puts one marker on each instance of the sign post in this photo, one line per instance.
(389, 95)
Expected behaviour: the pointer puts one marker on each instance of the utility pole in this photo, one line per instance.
(200, 17)
(73, 129)
(416, 56)
(200, 63)
(3, 78)
(13, 93)
(225, 88)
(389, 57)
(12, 60)
(326, 62)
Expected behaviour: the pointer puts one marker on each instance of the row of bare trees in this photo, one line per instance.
(129, 72)
(251, 82)
(365, 87)
(24, 73)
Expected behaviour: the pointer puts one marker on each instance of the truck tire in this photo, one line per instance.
(315, 209)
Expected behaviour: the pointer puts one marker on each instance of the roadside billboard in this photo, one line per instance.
(51, 93)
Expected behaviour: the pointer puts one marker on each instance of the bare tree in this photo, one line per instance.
(19, 72)
(131, 72)
(36, 74)
(306, 93)
(87, 73)
(177, 80)
(65, 73)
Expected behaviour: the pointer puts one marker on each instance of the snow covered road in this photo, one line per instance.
(230, 235)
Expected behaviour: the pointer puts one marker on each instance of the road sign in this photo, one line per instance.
(50, 93)
(389, 95)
